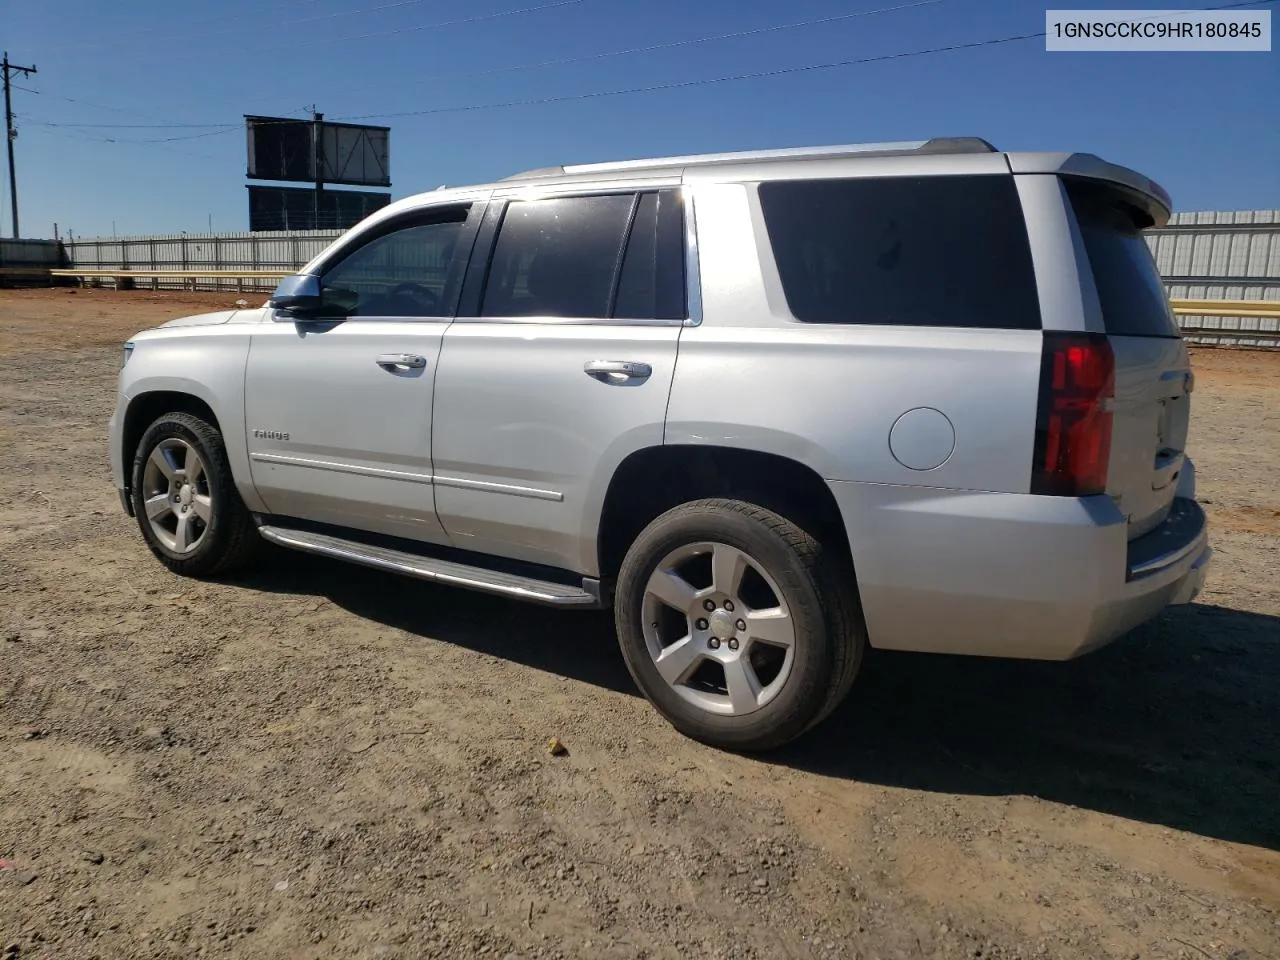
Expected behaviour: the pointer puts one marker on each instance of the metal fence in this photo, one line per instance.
(284, 250)
(1234, 255)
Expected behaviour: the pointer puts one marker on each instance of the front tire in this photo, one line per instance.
(736, 624)
(185, 499)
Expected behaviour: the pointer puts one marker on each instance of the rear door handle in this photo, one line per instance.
(617, 371)
(392, 361)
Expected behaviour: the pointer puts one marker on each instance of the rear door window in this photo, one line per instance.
(557, 257)
(1130, 291)
(614, 255)
(651, 286)
(947, 251)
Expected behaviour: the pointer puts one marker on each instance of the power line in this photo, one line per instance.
(156, 124)
(190, 136)
(159, 125)
(226, 128)
(129, 34)
(458, 21)
(665, 45)
(755, 75)
(684, 84)
(353, 13)
(112, 140)
(478, 18)
(91, 104)
(654, 88)
(649, 48)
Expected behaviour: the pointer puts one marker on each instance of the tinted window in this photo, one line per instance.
(920, 251)
(1130, 291)
(402, 273)
(652, 281)
(557, 258)
(637, 287)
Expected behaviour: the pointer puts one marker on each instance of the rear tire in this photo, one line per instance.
(736, 624)
(185, 499)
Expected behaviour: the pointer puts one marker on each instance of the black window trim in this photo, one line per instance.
(622, 252)
(485, 245)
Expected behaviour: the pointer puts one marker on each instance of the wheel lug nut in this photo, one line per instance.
(714, 643)
(701, 624)
(708, 605)
(741, 625)
(728, 605)
(733, 644)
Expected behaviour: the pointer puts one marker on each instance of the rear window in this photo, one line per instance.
(1132, 295)
(915, 251)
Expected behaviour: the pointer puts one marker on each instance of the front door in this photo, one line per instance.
(558, 366)
(338, 409)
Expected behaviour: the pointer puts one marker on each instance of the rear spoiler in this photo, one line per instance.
(1143, 191)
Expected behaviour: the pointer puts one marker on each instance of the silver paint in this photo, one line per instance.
(503, 443)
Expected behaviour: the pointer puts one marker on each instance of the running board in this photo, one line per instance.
(428, 568)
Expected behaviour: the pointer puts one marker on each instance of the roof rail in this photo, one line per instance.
(539, 172)
(898, 148)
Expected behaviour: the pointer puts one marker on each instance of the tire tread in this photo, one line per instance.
(832, 580)
(241, 540)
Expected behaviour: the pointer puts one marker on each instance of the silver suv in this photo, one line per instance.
(770, 407)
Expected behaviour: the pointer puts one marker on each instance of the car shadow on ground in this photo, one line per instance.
(1177, 724)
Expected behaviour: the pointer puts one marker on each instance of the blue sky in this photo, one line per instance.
(1204, 125)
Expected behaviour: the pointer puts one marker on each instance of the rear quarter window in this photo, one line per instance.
(1132, 295)
(914, 251)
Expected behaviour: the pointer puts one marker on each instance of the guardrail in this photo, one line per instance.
(190, 278)
(192, 274)
(1260, 309)
(1262, 332)
(1226, 308)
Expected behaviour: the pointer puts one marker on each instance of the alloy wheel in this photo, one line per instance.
(175, 495)
(718, 628)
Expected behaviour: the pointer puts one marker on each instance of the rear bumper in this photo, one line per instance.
(1012, 575)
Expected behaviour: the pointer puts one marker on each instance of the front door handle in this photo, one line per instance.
(401, 361)
(617, 371)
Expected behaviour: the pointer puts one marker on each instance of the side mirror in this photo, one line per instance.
(297, 296)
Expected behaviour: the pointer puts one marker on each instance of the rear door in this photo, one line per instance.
(1153, 371)
(557, 367)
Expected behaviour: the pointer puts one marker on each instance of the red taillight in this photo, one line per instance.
(1073, 422)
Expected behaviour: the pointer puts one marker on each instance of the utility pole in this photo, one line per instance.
(11, 132)
(317, 134)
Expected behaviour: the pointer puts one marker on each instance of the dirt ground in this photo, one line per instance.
(318, 761)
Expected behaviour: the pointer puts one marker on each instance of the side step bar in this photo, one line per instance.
(428, 568)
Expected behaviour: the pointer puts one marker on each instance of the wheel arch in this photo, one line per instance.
(166, 397)
(652, 480)
(143, 410)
